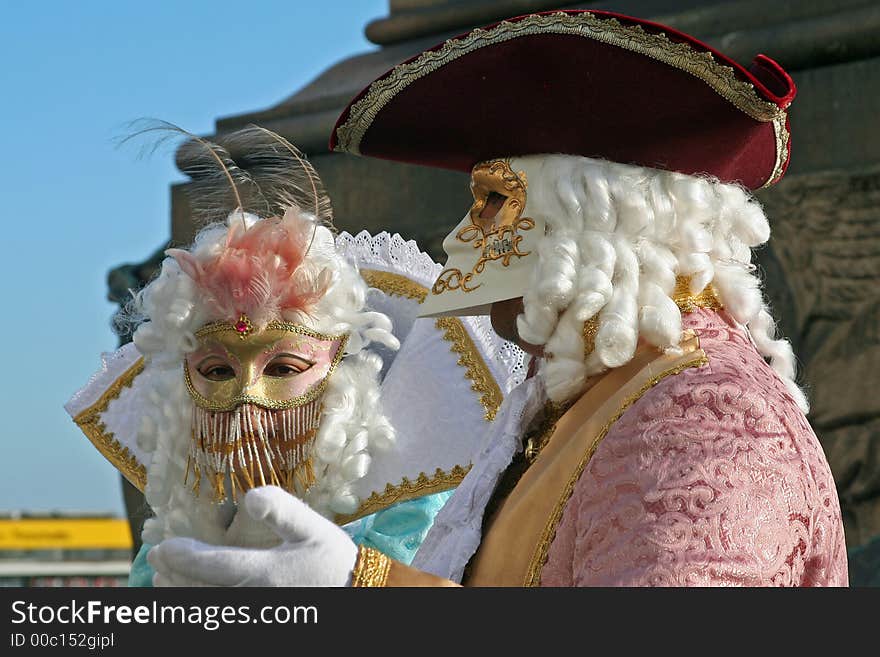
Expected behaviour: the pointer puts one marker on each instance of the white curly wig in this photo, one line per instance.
(617, 237)
(352, 424)
(173, 307)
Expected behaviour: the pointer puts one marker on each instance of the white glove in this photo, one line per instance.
(313, 551)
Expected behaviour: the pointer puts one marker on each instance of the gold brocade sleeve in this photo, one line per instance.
(370, 569)
(374, 569)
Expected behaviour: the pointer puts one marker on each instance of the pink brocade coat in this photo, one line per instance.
(713, 477)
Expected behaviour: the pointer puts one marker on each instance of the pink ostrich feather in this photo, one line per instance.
(261, 272)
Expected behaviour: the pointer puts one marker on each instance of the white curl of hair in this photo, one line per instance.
(352, 424)
(618, 235)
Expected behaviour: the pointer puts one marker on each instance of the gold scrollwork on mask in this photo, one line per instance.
(499, 200)
(453, 279)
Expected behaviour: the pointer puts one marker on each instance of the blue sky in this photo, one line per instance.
(75, 205)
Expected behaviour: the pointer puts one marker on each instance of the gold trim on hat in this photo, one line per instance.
(701, 64)
(89, 420)
(780, 132)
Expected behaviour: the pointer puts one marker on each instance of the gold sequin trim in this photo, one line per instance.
(226, 327)
(687, 302)
(370, 569)
(89, 420)
(539, 558)
(721, 78)
(408, 490)
(454, 332)
(591, 328)
(394, 284)
(482, 380)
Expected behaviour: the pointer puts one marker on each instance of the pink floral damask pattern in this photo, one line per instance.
(713, 478)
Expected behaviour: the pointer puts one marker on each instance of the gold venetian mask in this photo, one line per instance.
(282, 366)
(257, 403)
(488, 250)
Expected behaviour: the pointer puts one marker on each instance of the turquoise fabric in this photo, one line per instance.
(397, 531)
(141, 573)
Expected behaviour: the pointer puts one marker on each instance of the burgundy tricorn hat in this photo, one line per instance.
(588, 83)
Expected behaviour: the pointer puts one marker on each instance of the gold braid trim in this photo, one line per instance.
(89, 420)
(539, 557)
(476, 370)
(407, 490)
(370, 569)
(700, 64)
(481, 378)
(394, 284)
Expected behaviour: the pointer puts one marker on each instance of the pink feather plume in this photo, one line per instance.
(260, 272)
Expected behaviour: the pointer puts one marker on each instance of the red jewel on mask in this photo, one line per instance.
(243, 326)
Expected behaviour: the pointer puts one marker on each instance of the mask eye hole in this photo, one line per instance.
(216, 369)
(287, 365)
(494, 202)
